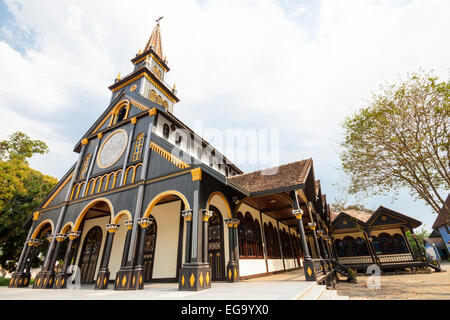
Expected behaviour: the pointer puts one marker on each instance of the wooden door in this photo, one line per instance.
(89, 255)
(149, 250)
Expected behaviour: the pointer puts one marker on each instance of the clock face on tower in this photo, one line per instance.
(112, 148)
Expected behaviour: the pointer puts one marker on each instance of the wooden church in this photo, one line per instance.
(149, 200)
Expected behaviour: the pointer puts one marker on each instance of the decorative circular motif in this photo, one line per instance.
(112, 149)
(383, 218)
(133, 88)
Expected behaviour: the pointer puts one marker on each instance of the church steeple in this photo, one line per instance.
(155, 40)
(148, 77)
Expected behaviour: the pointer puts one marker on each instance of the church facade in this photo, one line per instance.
(149, 200)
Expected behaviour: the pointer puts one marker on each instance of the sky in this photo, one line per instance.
(296, 67)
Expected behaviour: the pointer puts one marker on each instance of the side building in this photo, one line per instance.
(362, 239)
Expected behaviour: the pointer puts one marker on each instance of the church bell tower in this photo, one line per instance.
(148, 76)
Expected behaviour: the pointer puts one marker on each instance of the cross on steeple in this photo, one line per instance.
(155, 40)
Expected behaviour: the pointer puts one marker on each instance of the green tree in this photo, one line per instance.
(401, 140)
(22, 189)
(422, 234)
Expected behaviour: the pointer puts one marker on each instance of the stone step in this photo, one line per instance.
(315, 293)
(342, 298)
(329, 295)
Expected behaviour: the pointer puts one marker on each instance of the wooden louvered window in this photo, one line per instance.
(138, 146)
(166, 131)
(250, 244)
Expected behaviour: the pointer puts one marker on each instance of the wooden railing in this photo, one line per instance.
(356, 260)
(393, 258)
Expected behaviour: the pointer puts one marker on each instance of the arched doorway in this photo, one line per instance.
(215, 245)
(149, 250)
(89, 254)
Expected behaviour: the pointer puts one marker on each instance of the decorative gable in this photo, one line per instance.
(345, 224)
(386, 219)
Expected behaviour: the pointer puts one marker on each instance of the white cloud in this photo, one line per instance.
(235, 63)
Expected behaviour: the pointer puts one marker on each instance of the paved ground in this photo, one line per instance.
(435, 285)
(286, 286)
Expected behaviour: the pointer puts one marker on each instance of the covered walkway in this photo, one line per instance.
(283, 286)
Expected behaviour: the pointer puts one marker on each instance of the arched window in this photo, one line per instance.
(386, 243)
(249, 236)
(340, 248)
(376, 245)
(285, 244)
(250, 244)
(399, 244)
(272, 241)
(276, 243)
(121, 114)
(159, 100)
(153, 95)
(85, 166)
(199, 153)
(178, 139)
(166, 131)
(361, 247)
(139, 143)
(259, 249)
(165, 104)
(350, 246)
(266, 236)
(241, 234)
(156, 72)
(226, 171)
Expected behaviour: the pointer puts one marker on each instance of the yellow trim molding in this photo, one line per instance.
(41, 226)
(57, 191)
(196, 174)
(160, 196)
(88, 207)
(168, 156)
(152, 112)
(223, 198)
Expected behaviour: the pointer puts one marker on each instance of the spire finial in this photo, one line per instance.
(154, 42)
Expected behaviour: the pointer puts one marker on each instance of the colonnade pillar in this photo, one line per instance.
(232, 273)
(61, 277)
(103, 272)
(45, 278)
(308, 265)
(195, 275)
(125, 271)
(19, 278)
(205, 218)
(312, 227)
(322, 244)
